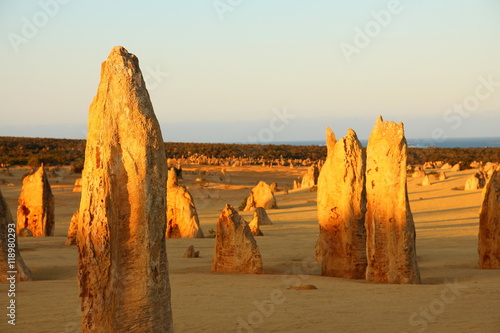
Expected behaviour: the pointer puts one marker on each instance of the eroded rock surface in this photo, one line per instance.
(235, 247)
(310, 178)
(341, 210)
(36, 205)
(123, 270)
(182, 217)
(261, 196)
(489, 225)
(390, 230)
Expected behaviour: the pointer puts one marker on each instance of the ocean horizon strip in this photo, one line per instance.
(412, 143)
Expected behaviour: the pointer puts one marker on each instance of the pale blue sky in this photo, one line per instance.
(225, 77)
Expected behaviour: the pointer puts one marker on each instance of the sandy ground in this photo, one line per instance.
(455, 295)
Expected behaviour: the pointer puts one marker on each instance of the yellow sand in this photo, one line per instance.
(455, 295)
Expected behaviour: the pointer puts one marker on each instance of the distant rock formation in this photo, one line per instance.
(123, 270)
(73, 229)
(235, 247)
(475, 182)
(191, 253)
(36, 205)
(390, 230)
(261, 196)
(341, 210)
(489, 225)
(418, 173)
(442, 176)
(254, 226)
(260, 214)
(9, 251)
(428, 165)
(182, 217)
(489, 168)
(438, 164)
(225, 176)
(311, 177)
(426, 181)
(475, 164)
(457, 167)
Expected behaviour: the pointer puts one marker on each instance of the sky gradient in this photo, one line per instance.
(220, 71)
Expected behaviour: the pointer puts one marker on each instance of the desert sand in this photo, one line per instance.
(455, 296)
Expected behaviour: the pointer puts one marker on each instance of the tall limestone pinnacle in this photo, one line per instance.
(123, 269)
(341, 210)
(489, 225)
(390, 230)
(322, 242)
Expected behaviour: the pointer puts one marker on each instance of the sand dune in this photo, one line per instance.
(455, 296)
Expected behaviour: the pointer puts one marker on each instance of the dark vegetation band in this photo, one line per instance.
(33, 151)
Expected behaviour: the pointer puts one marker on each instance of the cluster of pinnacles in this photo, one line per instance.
(366, 225)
